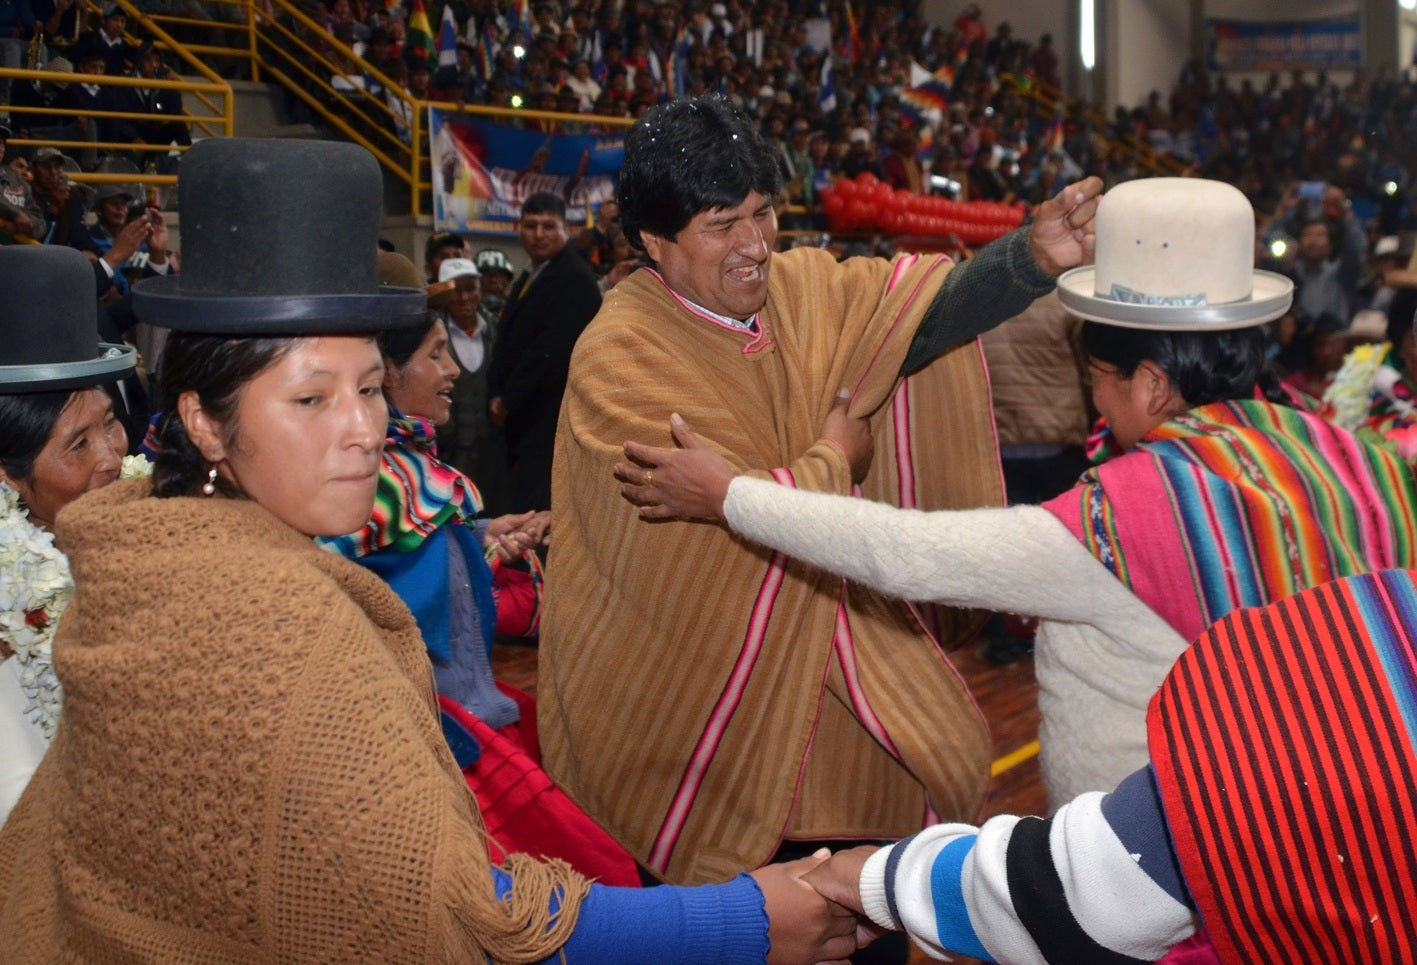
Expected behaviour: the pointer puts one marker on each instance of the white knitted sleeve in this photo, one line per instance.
(1017, 560)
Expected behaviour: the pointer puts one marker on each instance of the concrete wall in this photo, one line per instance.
(1142, 44)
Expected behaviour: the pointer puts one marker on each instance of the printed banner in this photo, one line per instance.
(483, 171)
(1331, 44)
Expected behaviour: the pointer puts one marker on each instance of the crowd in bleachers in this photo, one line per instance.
(963, 108)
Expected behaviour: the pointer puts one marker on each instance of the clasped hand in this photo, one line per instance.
(516, 533)
(814, 907)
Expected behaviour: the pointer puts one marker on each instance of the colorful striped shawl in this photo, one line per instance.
(1285, 749)
(1239, 504)
(416, 493)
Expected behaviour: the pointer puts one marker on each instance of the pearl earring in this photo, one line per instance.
(210, 487)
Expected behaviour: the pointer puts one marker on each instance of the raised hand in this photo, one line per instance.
(1062, 236)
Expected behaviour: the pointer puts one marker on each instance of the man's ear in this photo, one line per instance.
(653, 244)
(201, 428)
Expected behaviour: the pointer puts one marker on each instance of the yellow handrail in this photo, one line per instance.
(199, 88)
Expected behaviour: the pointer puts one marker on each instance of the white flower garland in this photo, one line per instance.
(1351, 391)
(35, 587)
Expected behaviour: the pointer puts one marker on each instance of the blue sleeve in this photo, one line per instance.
(705, 925)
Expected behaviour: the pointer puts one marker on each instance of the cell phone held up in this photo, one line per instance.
(138, 209)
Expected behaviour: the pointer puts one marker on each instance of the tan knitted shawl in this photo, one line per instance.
(687, 674)
(247, 766)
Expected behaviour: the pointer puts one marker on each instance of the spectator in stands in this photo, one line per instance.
(49, 94)
(970, 26)
(117, 206)
(548, 306)
(901, 168)
(60, 21)
(96, 101)
(26, 216)
(593, 243)
(438, 249)
(582, 84)
(159, 103)
(17, 24)
(496, 274)
(60, 199)
(107, 40)
(1318, 280)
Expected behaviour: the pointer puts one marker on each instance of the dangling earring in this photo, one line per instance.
(210, 488)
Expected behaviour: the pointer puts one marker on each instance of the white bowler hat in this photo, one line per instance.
(1175, 254)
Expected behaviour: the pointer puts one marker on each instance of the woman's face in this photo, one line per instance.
(84, 451)
(1128, 402)
(309, 433)
(424, 385)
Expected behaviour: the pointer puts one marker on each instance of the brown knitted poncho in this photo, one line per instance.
(248, 766)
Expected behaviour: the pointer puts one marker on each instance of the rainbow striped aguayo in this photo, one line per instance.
(1238, 504)
(416, 493)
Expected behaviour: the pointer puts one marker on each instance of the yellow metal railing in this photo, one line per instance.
(293, 49)
(213, 93)
(234, 38)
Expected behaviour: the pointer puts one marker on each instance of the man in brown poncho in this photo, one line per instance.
(707, 700)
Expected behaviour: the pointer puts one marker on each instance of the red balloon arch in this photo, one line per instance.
(866, 203)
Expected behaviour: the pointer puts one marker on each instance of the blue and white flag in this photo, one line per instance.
(826, 95)
(448, 39)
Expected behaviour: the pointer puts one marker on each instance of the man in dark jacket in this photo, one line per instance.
(548, 305)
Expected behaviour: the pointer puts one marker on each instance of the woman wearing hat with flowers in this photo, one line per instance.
(249, 765)
(1219, 500)
(59, 438)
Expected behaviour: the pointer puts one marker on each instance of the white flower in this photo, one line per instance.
(1351, 391)
(134, 467)
(35, 587)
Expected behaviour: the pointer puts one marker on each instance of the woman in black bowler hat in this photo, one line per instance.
(59, 438)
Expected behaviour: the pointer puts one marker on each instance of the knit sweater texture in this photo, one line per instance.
(248, 767)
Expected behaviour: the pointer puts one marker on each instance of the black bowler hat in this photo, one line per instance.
(279, 238)
(49, 323)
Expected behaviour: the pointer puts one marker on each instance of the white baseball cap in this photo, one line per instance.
(457, 268)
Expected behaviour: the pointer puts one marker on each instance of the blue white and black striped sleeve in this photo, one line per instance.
(1097, 882)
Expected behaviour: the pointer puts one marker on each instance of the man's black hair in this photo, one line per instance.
(544, 202)
(686, 157)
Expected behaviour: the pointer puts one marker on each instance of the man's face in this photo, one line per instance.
(462, 308)
(608, 217)
(440, 255)
(1335, 203)
(92, 67)
(495, 282)
(113, 212)
(418, 81)
(720, 259)
(49, 175)
(114, 24)
(147, 64)
(1314, 243)
(543, 236)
